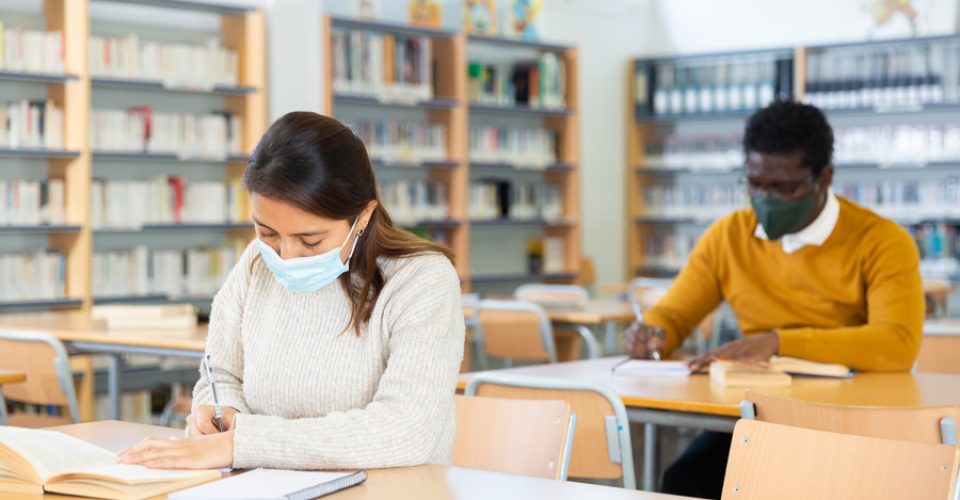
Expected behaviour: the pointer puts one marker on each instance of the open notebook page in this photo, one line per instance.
(637, 366)
(51, 453)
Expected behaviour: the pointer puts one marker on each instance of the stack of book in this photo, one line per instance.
(31, 202)
(30, 51)
(382, 65)
(539, 84)
(411, 202)
(166, 200)
(533, 148)
(32, 276)
(392, 141)
(193, 272)
(175, 65)
(35, 124)
(775, 373)
(142, 130)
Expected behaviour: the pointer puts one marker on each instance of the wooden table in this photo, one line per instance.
(84, 335)
(679, 400)
(427, 482)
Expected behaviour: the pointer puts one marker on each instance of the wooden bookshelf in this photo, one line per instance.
(243, 30)
(450, 106)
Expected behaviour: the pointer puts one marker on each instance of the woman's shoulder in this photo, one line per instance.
(425, 267)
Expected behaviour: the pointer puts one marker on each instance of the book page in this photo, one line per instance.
(51, 453)
(130, 474)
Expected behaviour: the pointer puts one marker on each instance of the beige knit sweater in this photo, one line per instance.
(311, 397)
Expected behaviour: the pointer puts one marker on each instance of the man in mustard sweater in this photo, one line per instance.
(808, 274)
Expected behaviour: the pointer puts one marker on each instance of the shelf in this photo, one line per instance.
(17, 76)
(350, 23)
(644, 170)
(895, 109)
(656, 271)
(166, 157)
(840, 167)
(426, 164)
(43, 154)
(525, 277)
(41, 304)
(41, 229)
(209, 7)
(519, 109)
(517, 43)
(370, 100)
(665, 220)
(140, 299)
(438, 223)
(176, 227)
(670, 118)
(519, 222)
(158, 86)
(556, 167)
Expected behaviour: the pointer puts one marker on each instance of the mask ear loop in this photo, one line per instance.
(355, 240)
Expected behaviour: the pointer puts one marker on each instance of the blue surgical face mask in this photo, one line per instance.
(308, 274)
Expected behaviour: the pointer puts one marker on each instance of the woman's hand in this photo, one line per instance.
(202, 452)
(757, 348)
(203, 420)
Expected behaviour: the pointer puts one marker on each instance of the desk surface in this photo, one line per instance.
(80, 327)
(594, 312)
(428, 482)
(11, 377)
(696, 394)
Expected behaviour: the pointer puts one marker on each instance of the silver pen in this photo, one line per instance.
(213, 388)
(655, 354)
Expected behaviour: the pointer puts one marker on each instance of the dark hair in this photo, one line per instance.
(320, 166)
(787, 127)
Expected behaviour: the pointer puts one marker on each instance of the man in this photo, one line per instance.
(808, 274)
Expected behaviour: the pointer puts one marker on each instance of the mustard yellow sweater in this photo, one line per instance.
(856, 300)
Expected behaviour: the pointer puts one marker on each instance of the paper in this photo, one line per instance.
(638, 366)
(259, 484)
(133, 474)
(51, 453)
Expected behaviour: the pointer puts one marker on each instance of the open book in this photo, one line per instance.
(36, 461)
(775, 373)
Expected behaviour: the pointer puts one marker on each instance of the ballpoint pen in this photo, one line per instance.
(655, 354)
(213, 388)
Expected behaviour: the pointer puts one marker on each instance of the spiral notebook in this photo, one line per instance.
(273, 484)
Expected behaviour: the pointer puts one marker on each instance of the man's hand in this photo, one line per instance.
(757, 347)
(643, 339)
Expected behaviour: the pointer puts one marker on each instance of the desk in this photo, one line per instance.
(428, 482)
(85, 335)
(693, 401)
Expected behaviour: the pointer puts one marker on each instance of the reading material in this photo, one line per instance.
(273, 484)
(34, 461)
(776, 373)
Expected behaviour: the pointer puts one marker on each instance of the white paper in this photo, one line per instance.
(637, 366)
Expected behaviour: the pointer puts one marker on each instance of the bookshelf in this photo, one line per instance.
(892, 104)
(76, 164)
(449, 104)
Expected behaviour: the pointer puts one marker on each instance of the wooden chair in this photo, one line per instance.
(587, 275)
(784, 462)
(529, 438)
(49, 379)
(936, 292)
(939, 354)
(568, 338)
(926, 425)
(513, 330)
(602, 447)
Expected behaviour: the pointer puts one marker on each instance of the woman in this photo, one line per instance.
(314, 374)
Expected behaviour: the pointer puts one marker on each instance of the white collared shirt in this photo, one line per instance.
(815, 233)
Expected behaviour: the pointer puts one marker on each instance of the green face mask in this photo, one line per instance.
(779, 217)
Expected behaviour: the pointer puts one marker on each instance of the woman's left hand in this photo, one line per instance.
(213, 451)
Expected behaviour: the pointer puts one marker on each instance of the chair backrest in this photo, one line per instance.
(45, 362)
(514, 330)
(779, 461)
(602, 447)
(587, 275)
(516, 436)
(939, 354)
(925, 425)
(552, 294)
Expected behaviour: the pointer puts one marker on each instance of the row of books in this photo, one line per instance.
(166, 200)
(698, 87)
(667, 251)
(39, 275)
(410, 202)
(174, 64)
(534, 148)
(494, 199)
(546, 255)
(898, 144)
(33, 51)
(142, 130)
(906, 200)
(702, 202)
(696, 151)
(32, 202)
(925, 71)
(540, 83)
(141, 271)
(33, 124)
(391, 66)
(401, 141)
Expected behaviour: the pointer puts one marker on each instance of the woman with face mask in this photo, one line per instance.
(337, 338)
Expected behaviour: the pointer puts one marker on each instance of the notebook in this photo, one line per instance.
(35, 461)
(274, 484)
(637, 366)
(776, 373)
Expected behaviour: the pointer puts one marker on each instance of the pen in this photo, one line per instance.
(213, 388)
(639, 314)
